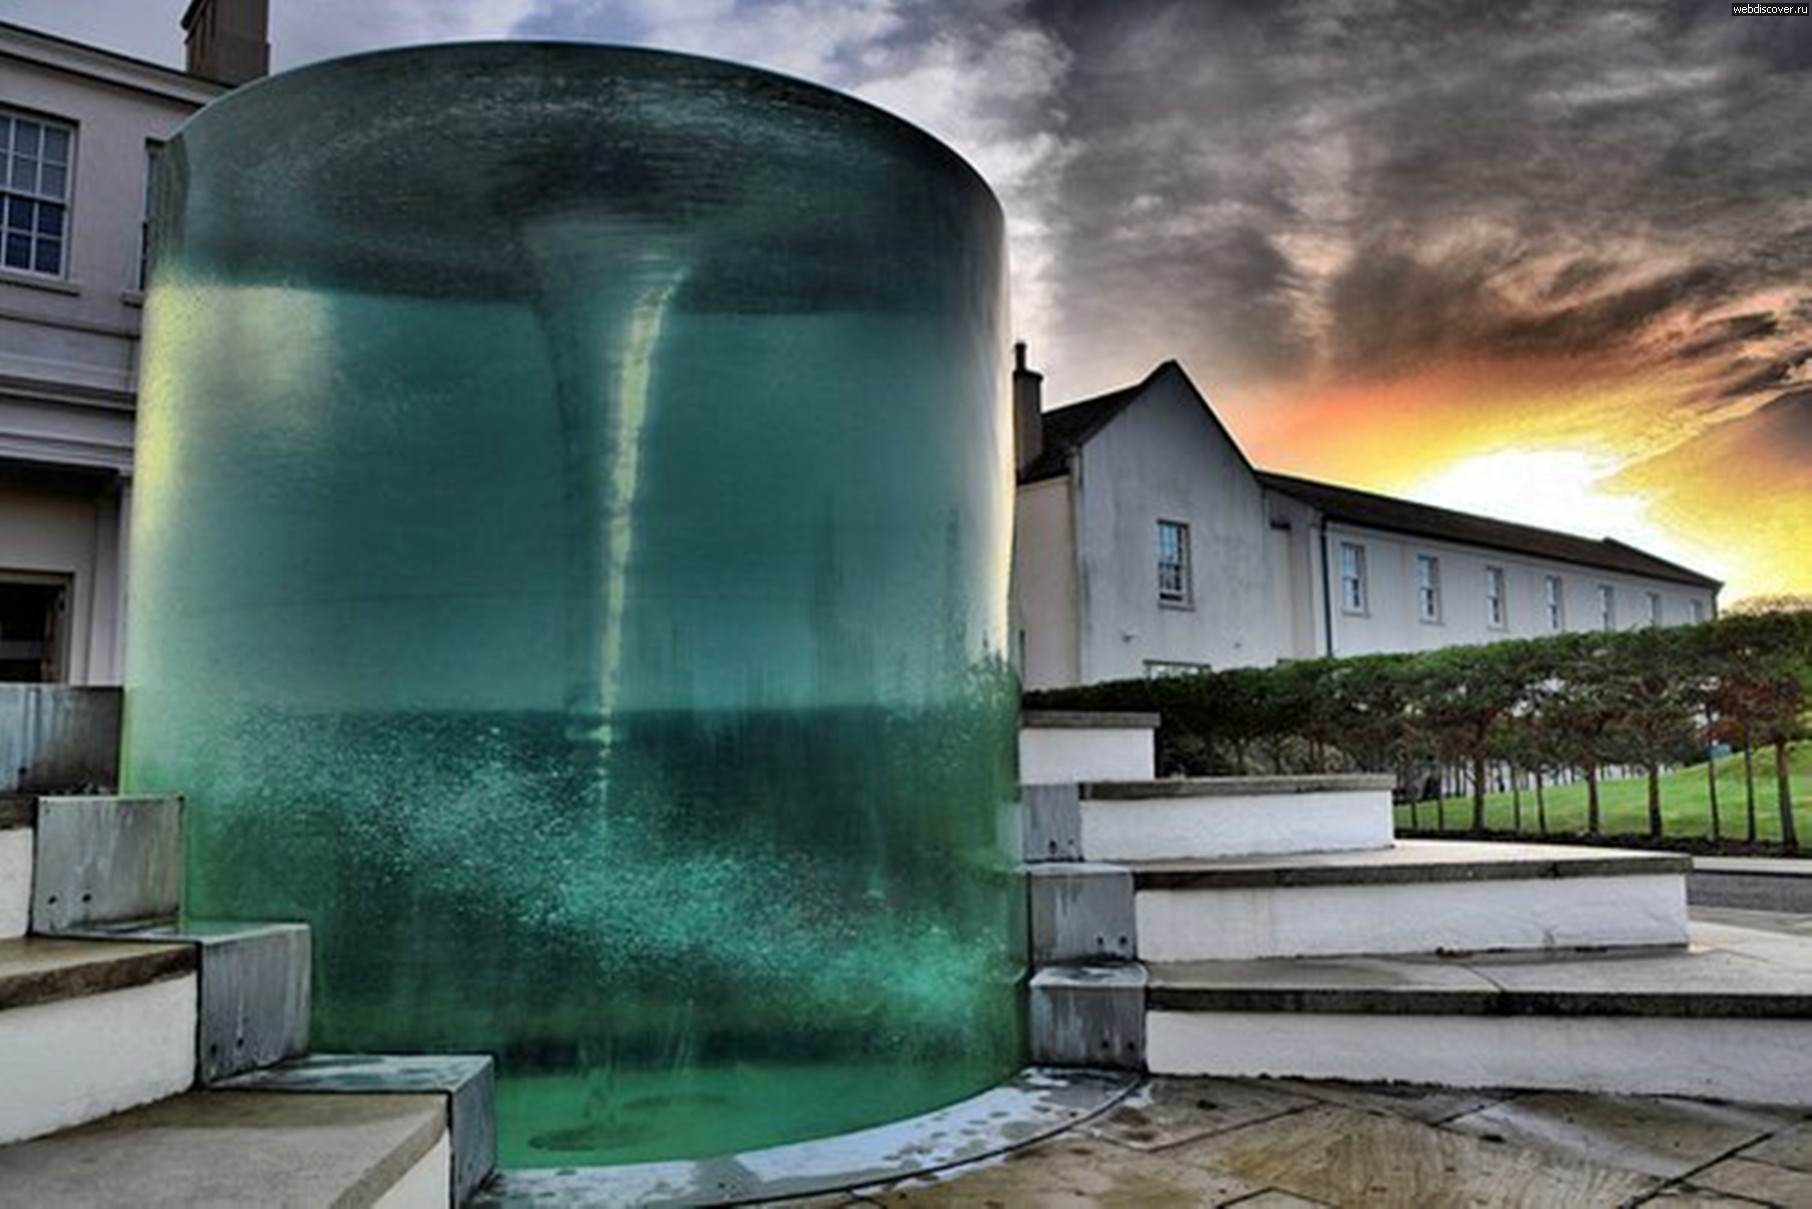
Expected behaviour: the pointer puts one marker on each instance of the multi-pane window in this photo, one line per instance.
(1607, 607)
(35, 158)
(1428, 587)
(1173, 562)
(1654, 608)
(1494, 596)
(1352, 577)
(1552, 598)
(1698, 610)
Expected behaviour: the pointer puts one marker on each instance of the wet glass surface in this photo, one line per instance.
(569, 560)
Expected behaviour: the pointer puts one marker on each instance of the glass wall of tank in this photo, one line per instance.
(571, 530)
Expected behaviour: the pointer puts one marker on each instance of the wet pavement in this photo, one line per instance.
(1270, 1144)
(1267, 1144)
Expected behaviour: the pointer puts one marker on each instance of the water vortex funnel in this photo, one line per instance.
(570, 548)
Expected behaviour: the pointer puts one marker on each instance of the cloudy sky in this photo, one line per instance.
(1545, 260)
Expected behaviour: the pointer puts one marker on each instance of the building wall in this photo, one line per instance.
(1166, 458)
(1044, 584)
(1392, 620)
(69, 343)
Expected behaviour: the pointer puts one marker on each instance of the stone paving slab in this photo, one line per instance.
(1415, 1101)
(1789, 1148)
(1759, 1181)
(1075, 1172)
(1170, 1112)
(1345, 1157)
(1285, 1144)
(1664, 1137)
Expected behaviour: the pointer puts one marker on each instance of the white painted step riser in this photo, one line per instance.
(1761, 1061)
(70, 1061)
(1246, 923)
(1072, 755)
(15, 881)
(1163, 829)
(427, 1185)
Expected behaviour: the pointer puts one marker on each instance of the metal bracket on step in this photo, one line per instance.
(1089, 1016)
(104, 861)
(1053, 823)
(1081, 912)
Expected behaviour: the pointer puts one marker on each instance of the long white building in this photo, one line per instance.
(80, 130)
(1147, 543)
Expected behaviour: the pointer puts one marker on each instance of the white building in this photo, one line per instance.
(1147, 543)
(79, 131)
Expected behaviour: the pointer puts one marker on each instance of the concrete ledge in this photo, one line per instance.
(1409, 862)
(1085, 719)
(1206, 787)
(40, 970)
(466, 1081)
(217, 1148)
(1754, 883)
(1731, 1018)
(1218, 826)
(1756, 1061)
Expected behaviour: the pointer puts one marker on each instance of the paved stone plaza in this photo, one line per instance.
(1272, 1144)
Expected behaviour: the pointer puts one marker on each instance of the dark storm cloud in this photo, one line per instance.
(1431, 180)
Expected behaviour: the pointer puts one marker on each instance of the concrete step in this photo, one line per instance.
(243, 1148)
(1730, 1017)
(1216, 817)
(1428, 896)
(88, 1028)
(1062, 747)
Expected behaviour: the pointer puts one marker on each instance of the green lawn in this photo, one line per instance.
(1684, 804)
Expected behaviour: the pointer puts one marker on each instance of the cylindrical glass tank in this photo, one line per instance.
(569, 566)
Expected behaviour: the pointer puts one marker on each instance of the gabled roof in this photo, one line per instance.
(1422, 520)
(1069, 427)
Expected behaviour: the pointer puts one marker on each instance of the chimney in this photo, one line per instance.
(228, 40)
(1028, 410)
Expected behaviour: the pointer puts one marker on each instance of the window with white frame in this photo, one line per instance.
(1173, 562)
(1495, 611)
(1553, 599)
(1607, 607)
(35, 159)
(1654, 608)
(1428, 587)
(1352, 577)
(1698, 610)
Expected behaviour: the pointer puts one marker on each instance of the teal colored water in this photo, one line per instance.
(569, 554)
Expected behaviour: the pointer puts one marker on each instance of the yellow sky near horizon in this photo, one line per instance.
(1591, 449)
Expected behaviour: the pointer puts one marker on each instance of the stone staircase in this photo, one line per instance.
(151, 1060)
(1274, 927)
